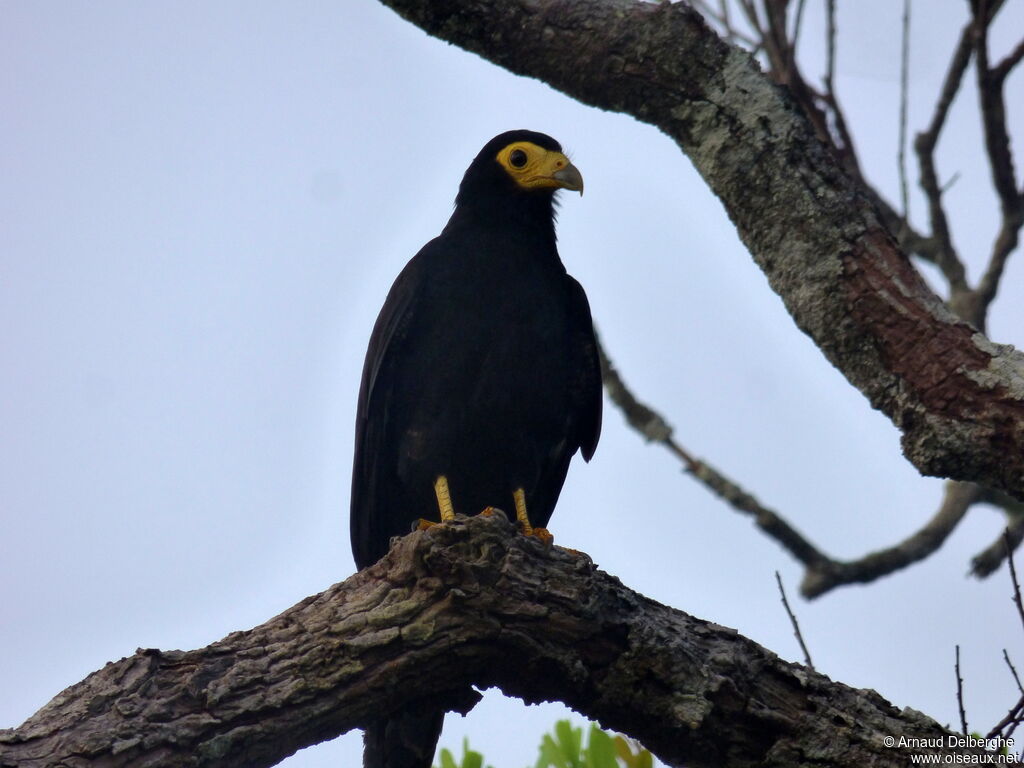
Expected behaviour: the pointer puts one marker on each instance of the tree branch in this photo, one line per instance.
(957, 397)
(796, 624)
(924, 145)
(467, 603)
(957, 499)
(997, 145)
(989, 559)
(822, 572)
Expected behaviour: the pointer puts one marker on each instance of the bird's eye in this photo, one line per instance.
(517, 158)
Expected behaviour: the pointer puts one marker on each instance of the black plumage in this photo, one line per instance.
(482, 369)
(482, 365)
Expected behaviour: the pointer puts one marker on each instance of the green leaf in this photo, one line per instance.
(563, 749)
(600, 752)
(550, 754)
(471, 759)
(570, 740)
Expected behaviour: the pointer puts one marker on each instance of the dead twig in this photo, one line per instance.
(901, 159)
(1013, 577)
(794, 622)
(1005, 727)
(823, 573)
(997, 145)
(1004, 67)
(960, 695)
(924, 145)
(1013, 671)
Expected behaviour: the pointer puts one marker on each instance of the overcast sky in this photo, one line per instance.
(202, 207)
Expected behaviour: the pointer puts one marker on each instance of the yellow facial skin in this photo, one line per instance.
(533, 167)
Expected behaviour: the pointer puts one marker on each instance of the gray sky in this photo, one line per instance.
(202, 207)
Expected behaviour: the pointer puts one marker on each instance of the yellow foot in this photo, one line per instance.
(423, 524)
(543, 534)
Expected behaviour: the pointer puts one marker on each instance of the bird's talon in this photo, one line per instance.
(543, 534)
(488, 511)
(423, 524)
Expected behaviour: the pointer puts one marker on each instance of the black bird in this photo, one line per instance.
(481, 380)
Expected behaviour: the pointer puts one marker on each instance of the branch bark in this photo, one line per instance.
(957, 397)
(470, 603)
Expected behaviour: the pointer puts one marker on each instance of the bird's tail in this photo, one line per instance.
(406, 739)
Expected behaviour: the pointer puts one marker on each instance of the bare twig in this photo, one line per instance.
(771, 523)
(844, 139)
(1013, 577)
(960, 694)
(750, 11)
(1009, 723)
(796, 25)
(1004, 67)
(721, 19)
(904, 82)
(993, 112)
(794, 622)
(830, 40)
(777, 39)
(924, 145)
(822, 573)
(948, 185)
(1013, 671)
(997, 145)
(639, 416)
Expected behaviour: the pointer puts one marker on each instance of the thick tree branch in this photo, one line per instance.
(957, 397)
(467, 603)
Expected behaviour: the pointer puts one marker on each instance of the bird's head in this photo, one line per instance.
(518, 166)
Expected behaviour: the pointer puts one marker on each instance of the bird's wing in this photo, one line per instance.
(586, 390)
(391, 327)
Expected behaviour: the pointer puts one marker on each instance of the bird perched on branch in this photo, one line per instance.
(481, 380)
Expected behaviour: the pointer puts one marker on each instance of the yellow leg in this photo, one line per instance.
(524, 521)
(444, 499)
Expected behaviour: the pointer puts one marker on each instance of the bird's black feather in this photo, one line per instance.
(482, 367)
